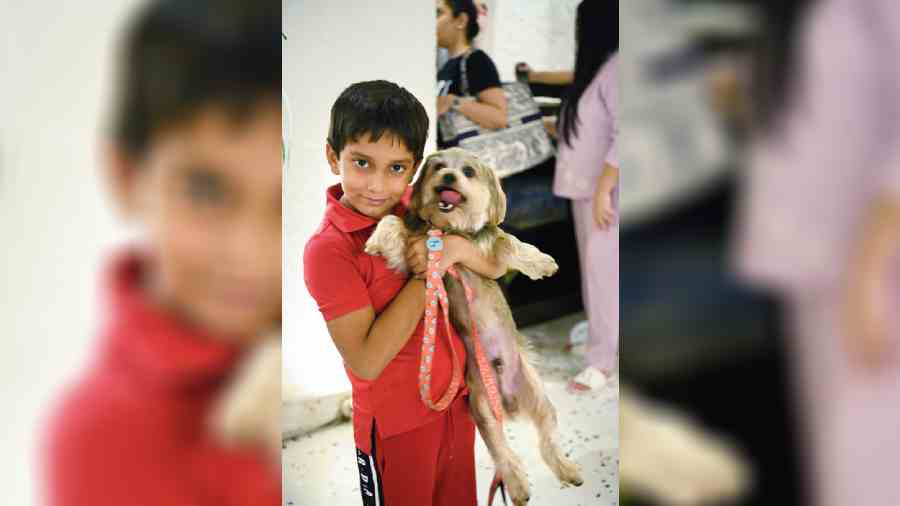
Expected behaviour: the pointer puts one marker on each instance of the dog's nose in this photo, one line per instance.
(449, 178)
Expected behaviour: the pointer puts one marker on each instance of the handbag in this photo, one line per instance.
(523, 144)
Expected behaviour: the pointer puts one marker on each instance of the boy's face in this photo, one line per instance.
(208, 193)
(374, 175)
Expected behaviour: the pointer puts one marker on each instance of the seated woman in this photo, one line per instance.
(457, 27)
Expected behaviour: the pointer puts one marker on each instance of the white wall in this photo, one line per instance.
(329, 46)
(540, 32)
(55, 221)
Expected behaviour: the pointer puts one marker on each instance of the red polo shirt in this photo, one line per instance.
(133, 429)
(343, 278)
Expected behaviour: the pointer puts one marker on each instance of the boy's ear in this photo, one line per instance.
(333, 159)
(122, 173)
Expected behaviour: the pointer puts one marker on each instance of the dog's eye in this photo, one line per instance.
(438, 166)
(469, 172)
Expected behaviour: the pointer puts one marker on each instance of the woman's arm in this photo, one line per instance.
(552, 77)
(604, 212)
(489, 110)
(867, 304)
(368, 343)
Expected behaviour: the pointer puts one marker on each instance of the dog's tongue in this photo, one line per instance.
(451, 197)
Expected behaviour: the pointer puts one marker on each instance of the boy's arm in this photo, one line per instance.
(489, 266)
(457, 249)
(368, 343)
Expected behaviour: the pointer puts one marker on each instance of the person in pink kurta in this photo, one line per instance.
(819, 222)
(587, 172)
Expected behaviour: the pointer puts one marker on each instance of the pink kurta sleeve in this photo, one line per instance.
(578, 165)
(609, 90)
(837, 146)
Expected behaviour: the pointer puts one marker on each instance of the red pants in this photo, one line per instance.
(433, 465)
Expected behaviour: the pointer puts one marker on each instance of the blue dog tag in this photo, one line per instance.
(434, 244)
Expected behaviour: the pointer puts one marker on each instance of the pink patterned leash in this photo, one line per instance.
(436, 296)
(435, 300)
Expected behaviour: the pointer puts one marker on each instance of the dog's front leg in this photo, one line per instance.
(509, 466)
(525, 258)
(389, 241)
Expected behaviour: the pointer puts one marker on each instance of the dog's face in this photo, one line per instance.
(456, 191)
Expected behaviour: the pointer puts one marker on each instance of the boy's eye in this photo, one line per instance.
(205, 187)
(361, 163)
(398, 169)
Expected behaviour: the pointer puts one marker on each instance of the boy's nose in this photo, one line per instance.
(449, 178)
(375, 184)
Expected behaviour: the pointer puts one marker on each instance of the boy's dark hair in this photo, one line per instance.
(178, 57)
(376, 108)
(466, 6)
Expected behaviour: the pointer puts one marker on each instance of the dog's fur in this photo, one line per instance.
(248, 410)
(478, 218)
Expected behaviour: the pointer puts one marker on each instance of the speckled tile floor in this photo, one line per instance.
(319, 469)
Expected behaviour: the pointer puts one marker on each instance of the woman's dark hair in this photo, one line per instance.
(596, 39)
(178, 57)
(466, 6)
(774, 64)
(377, 108)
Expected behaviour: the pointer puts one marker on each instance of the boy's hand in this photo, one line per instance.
(604, 212)
(456, 250)
(417, 256)
(444, 103)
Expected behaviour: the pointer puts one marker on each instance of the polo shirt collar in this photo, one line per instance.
(347, 220)
(154, 344)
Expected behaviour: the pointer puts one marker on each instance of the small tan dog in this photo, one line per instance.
(460, 195)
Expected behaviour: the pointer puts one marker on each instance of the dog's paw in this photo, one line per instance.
(388, 239)
(248, 411)
(516, 482)
(372, 246)
(544, 266)
(568, 472)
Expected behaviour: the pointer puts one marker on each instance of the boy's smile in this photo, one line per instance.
(374, 175)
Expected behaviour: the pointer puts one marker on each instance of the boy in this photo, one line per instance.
(407, 454)
(195, 161)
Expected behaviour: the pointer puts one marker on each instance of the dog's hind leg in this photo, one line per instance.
(534, 401)
(509, 466)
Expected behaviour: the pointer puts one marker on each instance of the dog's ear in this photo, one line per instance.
(413, 218)
(497, 207)
(416, 203)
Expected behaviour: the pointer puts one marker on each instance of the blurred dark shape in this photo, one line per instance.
(177, 57)
(695, 337)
